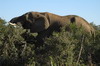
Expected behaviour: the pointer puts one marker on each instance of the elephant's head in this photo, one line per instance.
(34, 21)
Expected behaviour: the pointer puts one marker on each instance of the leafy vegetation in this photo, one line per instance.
(18, 48)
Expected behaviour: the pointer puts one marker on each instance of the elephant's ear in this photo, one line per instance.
(40, 24)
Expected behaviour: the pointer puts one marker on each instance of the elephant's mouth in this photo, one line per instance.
(19, 24)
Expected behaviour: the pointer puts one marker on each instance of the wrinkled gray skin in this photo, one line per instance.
(45, 23)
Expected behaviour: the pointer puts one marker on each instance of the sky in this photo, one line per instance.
(88, 9)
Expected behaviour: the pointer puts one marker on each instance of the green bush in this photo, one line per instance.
(14, 50)
(74, 48)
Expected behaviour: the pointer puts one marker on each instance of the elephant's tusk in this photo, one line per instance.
(12, 24)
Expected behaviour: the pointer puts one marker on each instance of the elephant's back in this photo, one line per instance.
(81, 22)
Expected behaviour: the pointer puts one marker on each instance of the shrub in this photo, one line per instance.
(74, 48)
(14, 50)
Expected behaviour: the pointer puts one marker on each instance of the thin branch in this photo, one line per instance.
(80, 52)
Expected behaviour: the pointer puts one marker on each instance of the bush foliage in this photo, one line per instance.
(75, 48)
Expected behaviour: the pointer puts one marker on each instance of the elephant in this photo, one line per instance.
(45, 23)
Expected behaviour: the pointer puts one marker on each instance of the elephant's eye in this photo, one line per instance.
(37, 16)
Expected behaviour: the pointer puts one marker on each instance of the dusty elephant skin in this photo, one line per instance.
(45, 23)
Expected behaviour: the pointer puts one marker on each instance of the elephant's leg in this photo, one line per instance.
(40, 38)
(42, 35)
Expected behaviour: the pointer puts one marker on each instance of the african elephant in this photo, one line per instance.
(45, 23)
